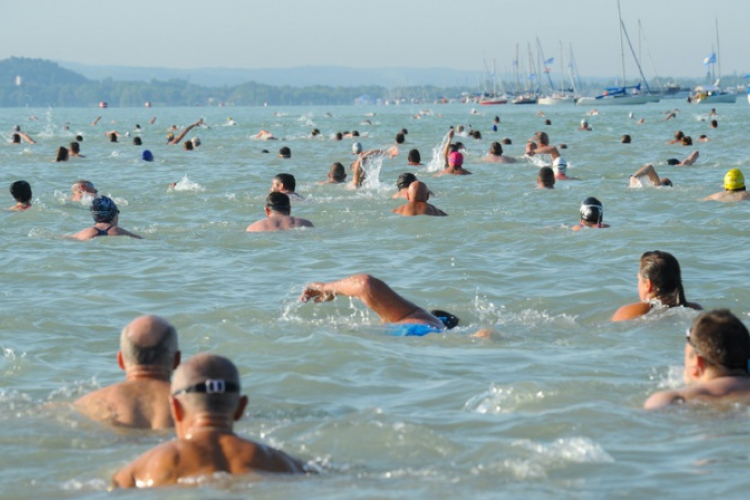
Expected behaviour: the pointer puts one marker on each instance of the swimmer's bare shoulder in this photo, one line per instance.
(631, 311)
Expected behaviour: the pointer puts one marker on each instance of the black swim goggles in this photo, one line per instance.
(216, 386)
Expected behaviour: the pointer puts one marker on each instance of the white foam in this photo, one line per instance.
(186, 184)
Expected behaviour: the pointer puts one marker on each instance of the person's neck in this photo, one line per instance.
(712, 373)
(207, 423)
(141, 372)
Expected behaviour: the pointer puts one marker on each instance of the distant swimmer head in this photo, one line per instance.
(559, 166)
(405, 179)
(356, 148)
(449, 320)
(285, 152)
(673, 161)
(196, 141)
(21, 191)
(584, 123)
(496, 149)
(455, 159)
(625, 139)
(147, 155)
(103, 209)
(414, 157)
(734, 180)
(592, 210)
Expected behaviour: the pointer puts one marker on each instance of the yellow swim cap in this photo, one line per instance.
(734, 180)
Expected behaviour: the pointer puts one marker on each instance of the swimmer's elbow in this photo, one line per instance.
(662, 400)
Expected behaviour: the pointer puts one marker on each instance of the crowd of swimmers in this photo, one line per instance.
(201, 397)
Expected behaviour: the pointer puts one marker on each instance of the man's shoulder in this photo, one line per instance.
(299, 222)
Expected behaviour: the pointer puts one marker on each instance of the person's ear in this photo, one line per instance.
(120, 360)
(268, 212)
(240, 408)
(178, 412)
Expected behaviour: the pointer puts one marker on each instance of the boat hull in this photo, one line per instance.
(716, 99)
(622, 100)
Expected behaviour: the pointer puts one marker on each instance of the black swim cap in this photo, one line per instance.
(673, 161)
(103, 209)
(405, 179)
(592, 210)
(449, 320)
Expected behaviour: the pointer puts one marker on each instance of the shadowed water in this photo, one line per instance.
(548, 408)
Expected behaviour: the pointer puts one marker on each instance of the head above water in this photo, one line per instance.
(404, 180)
(734, 180)
(414, 157)
(546, 177)
(663, 270)
(207, 383)
(356, 148)
(418, 192)
(21, 191)
(496, 149)
(103, 209)
(592, 211)
(279, 203)
(338, 172)
(147, 155)
(455, 159)
(449, 320)
(285, 152)
(149, 341)
(287, 182)
(721, 339)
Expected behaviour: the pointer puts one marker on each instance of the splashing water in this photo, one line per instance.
(372, 166)
(186, 184)
(437, 162)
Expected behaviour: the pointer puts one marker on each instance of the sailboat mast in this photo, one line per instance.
(562, 78)
(622, 46)
(515, 63)
(718, 49)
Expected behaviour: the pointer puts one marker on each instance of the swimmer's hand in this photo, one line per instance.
(317, 292)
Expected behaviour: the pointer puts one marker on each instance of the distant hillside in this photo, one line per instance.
(334, 76)
(37, 72)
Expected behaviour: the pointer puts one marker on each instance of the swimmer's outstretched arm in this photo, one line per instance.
(648, 171)
(451, 134)
(26, 138)
(390, 306)
(190, 127)
(689, 160)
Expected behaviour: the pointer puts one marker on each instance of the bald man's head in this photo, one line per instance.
(207, 383)
(418, 191)
(147, 341)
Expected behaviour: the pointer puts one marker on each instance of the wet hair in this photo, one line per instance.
(285, 152)
(542, 137)
(112, 137)
(400, 138)
(506, 141)
(75, 147)
(279, 202)
(625, 139)
(188, 145)
(339, 136)
(714, 124)
(414, 156)
(477, 134)
(103, 209)
(405, 179)
(16, 138)
(686, 141)
(592, 210)
(62, 154)
(355, 133)
(679, 135)
(315, 132)
(79, 138)
(546, 177)
(548, 122)
(721, 339)
(664, 272)
(404, 131)
(288, 181)
(449, 320)
(21, 191)
(338, 172)
(160, 354)
(137, 141)
(673, 161)
(496, 149)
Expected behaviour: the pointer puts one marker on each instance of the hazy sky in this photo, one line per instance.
(375, 33)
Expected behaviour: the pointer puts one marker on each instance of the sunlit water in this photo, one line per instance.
(548, 408)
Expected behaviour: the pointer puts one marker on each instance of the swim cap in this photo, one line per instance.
(592, 210)
(734, 180)
(103, 209)
(147, 156)
(449, 320)
(559, 165)
(356, 148)
(196, 141)
(455, 159)
(405, 179)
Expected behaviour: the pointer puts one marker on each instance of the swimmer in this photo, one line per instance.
(592, 214)
(265, 135)
(147, 155)
(83, 189)
(585, 126)
(545, 179)
(690, 160)
(714, 124)
(18, 136)
(205, 402)
(671, 114)
(648, 172)
(625, 139)
(400, 138)
(417, 195)
(106, 216)
(387, 304)
(453, 159)
(717, 348)
(176, 140)
(148, 354)
(734, 188)
(659, 287)
(414, 159)
(75, 150)
(21, 192)
(542, 146)
(285, 153)
(62, 154)
(686, 141)
(496, 155)
(560, 168)
(96, 121)
(402, 183)
(677, 137)
(285, 183)
(337, 174)
(137, 141)
(113, 135)
(703, 138)
(278, 216)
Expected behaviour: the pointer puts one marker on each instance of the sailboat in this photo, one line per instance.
(556, 97)
(712, 94)
(625, 94)
(528, 96)
(493, 98)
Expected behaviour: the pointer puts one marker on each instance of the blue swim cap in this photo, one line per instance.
(147, 156)
(103, 209)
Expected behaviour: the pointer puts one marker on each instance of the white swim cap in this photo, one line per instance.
(559, 165)
(356, 148)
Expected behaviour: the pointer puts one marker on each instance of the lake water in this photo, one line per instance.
(550, 407)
